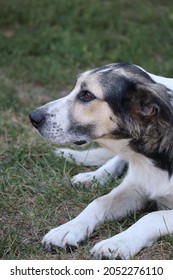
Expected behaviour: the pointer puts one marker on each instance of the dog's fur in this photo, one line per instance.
(129, 112)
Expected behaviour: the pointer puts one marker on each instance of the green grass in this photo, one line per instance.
(43, 45)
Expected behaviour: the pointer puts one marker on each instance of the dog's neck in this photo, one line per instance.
(155, 144)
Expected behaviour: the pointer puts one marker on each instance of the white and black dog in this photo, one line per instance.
(129, 112)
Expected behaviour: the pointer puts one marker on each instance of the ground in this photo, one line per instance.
(43, 46)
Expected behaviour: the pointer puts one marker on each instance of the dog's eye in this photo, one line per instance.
(86, 96)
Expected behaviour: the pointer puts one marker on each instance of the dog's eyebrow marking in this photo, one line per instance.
(83, 85)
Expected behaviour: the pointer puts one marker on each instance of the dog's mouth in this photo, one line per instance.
(80, 142)
(62, 138)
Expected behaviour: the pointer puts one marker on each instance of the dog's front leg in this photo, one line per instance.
(118, 203)
(91, 157)
(142, 234)
(110, 170)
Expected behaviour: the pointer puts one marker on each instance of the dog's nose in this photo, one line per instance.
(37, 118)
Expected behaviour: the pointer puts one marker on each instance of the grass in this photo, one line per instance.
(43, 45)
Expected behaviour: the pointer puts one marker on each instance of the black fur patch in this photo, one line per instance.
(83, 132)
(114, 94)
(161, 159)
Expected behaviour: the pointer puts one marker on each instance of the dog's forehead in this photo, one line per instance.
(94, 72)
(102, 76)
(100, 80)
(97, 79)
(111, 71)
(111, 79)
(90, 81)
(94, 75)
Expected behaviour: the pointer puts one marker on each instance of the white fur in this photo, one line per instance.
(141, 234)
(110, 170)
(168, 82)
(93, 157)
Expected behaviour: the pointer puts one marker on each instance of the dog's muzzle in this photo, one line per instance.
(37, 118)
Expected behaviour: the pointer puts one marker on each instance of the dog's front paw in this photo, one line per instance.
(88, 179)
(116, 247)
(69, 234)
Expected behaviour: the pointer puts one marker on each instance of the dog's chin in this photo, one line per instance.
(61, 142)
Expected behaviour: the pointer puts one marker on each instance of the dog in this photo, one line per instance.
(129, 113)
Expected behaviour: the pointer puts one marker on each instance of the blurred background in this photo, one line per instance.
(49, 41)
(44, 44)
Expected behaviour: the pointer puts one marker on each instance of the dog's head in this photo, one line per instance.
(113, 101)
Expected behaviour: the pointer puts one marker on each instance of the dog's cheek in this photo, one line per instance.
(82, 131)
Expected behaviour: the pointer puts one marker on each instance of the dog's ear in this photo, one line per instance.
(148, 101)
